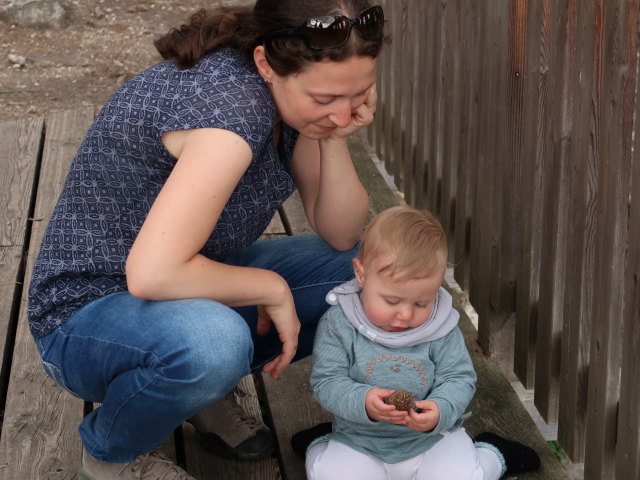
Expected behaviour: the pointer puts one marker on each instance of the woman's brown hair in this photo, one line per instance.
(243, 27)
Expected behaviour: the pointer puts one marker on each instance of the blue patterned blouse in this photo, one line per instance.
(122, 165)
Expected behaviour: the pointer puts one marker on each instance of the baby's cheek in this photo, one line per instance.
(378, 315)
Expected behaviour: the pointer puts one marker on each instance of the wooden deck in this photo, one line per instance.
(39, 437)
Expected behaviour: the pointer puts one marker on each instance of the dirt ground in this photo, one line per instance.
(104, 43)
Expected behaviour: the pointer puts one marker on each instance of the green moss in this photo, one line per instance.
(556, 449)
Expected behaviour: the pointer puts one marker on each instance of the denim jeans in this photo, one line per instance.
(154, 364)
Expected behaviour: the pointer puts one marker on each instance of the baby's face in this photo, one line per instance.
(395, 305)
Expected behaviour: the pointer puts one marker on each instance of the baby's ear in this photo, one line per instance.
(358, 269)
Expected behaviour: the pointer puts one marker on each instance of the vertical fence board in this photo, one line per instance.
(493, 332)
(628, 438)
(482, 185)
(391, 93)
(508, 159)
(578, 281)
(556, 216)
(385, 88)
(431, 192)
(426, 94)
(533, 150)
(401, 95)
(618, 75)
(468, 138)
(450, 120)
(410, 77)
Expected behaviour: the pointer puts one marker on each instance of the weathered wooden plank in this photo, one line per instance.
(628, 430)
(204, 465)
(401, 95)
(451, 107)
(275, 227)
(386, 92)
(409, 78)
(394, 162)
(508, 163)
(19, 154)
(425, 94)
(39, 438)
(616, 136)
(503, 118)
(533, 151)
(468, 138)
(579, 77)
(487, 172)
(555, 246)
(433, 158)
(294, 217)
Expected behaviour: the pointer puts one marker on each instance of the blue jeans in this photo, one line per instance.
(154, 364)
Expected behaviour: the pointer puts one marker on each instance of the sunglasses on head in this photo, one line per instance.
(333, 31)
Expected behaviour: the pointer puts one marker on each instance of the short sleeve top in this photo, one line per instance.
(122, 165)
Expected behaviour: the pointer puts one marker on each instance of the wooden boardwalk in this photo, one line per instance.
(39, 437)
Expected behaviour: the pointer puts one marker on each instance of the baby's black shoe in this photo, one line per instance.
(301, 440)
(518, 457)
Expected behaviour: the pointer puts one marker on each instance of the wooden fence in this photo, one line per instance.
(515, 122)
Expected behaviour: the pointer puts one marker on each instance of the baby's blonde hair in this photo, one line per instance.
(414, 238)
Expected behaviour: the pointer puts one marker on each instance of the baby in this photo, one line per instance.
(393, 328)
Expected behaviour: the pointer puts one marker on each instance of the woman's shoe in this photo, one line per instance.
(150, 466)
(228, 430)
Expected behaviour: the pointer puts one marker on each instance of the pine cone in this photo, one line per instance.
(402, 399)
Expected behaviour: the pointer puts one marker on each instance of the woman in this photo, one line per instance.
(150, 294)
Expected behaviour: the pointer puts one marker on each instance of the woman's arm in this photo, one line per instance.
(164, 263)
(335, 202)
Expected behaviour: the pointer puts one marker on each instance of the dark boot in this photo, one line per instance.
(226, 429)
(300, 441)
(518, 457)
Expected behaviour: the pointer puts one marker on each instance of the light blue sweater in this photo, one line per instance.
(347, 364)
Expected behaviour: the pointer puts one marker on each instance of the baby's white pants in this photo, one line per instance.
(454, 457)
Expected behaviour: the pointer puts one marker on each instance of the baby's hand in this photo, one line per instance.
(427, 419)
(378, 410)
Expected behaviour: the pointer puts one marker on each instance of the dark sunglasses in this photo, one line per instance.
(333, 31)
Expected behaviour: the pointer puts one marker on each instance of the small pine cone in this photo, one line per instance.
(402, 399)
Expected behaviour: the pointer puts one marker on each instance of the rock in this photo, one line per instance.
(18, 61)
(43, 14)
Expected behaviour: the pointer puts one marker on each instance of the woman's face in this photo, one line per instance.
(324, 96)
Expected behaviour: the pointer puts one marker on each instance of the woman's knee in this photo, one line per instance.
(212, 345)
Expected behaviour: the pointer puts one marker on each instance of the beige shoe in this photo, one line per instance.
(150, 466)
(228, 430)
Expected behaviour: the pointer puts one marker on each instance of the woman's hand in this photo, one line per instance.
(377, 409)
(361, 117)
(427, 419)
(284, 318)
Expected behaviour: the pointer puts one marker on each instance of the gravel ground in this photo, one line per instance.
(100, 44)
